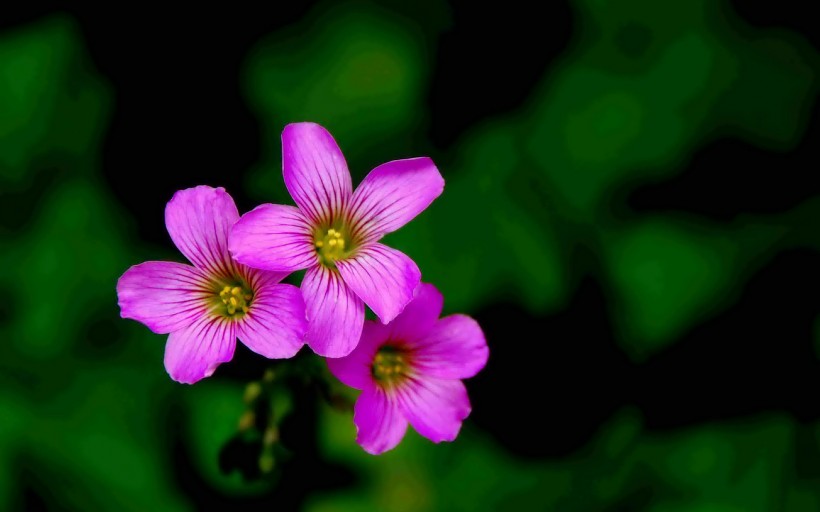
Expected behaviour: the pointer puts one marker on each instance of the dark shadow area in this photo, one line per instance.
(728, 177)
(789, 14)
(180, 117)
(540, 368)
(756, 357)
(490, 59)
(300, 471)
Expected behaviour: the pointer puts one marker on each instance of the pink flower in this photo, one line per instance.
(410, 371)
(205, 307)
(334, 234)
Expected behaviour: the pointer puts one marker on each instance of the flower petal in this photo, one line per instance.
(164, 296)
(194, 353)
(315, 170)
(393, 194)
(378, 421)
(420, 315)
(335, 314)
(275, 325)
(435, 407)
(354, 370)
(384, 278)
(198, 220)
(454, 349)
(273, 237)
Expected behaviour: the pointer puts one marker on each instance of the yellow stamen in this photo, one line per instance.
(390, 365)
(331, 245)
(233, 299)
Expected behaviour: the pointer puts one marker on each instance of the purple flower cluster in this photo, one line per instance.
(409, 364)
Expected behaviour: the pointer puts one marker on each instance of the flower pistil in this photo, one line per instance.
(234, 301)
(332, 245)
(391, 365)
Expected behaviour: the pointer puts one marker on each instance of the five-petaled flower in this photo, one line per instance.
(410, 371)
(205, 307)
(334, 234)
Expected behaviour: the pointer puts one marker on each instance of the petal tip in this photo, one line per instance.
(331, 351)
(301, 125)
(198, 190)
(372, 449)
(448, 438)
(301, 129)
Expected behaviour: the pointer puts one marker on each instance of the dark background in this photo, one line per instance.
(630, 214)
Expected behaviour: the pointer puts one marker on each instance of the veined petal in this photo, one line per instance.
(355, 369)
(315, 170)
(164, 296)
(454, 348)
(419, 316)
(383, 277)
(335, 314)
(198, 220)
(275, 325)
(273, 237)
(378, 421)
(258, 279)
(392, 195)
(434, 407)
(194, 353)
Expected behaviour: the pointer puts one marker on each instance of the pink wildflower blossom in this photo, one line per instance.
(205, 307)
(334, 234)
(410, 371)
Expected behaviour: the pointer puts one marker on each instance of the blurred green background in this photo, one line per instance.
(630, 212)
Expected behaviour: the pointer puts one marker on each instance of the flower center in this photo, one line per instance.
(390, 365)
(236, 300)
(331, 245)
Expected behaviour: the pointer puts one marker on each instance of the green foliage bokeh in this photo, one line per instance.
(85, 404)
